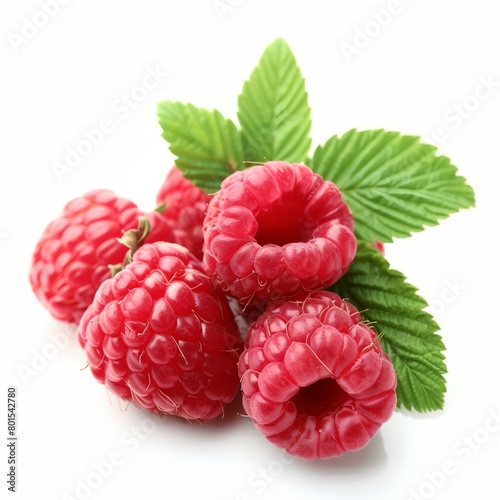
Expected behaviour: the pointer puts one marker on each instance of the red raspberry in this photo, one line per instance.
(159, 335)
(315, 380)
(275, 229)
(185, 211)
(378, 245)
(73, 256)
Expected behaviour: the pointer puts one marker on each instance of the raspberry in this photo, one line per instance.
(378, 245)
(315, 380)
(159, 335)
(185, 211)
(275, 229)
(73, 256)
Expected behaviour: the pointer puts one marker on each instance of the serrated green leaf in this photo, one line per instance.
(207, 146)
(408, 333)
(273, 109)
(394, 184)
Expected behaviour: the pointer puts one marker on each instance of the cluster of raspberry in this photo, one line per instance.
(216, 294)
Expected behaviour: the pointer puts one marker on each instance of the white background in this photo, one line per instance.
(411, 76)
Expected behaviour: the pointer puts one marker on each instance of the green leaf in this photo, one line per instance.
(273, 110)
(207, 146)
(393, 183)
(408, 333)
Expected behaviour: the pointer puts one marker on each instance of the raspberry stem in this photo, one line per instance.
(161, 208)
(132, 239)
